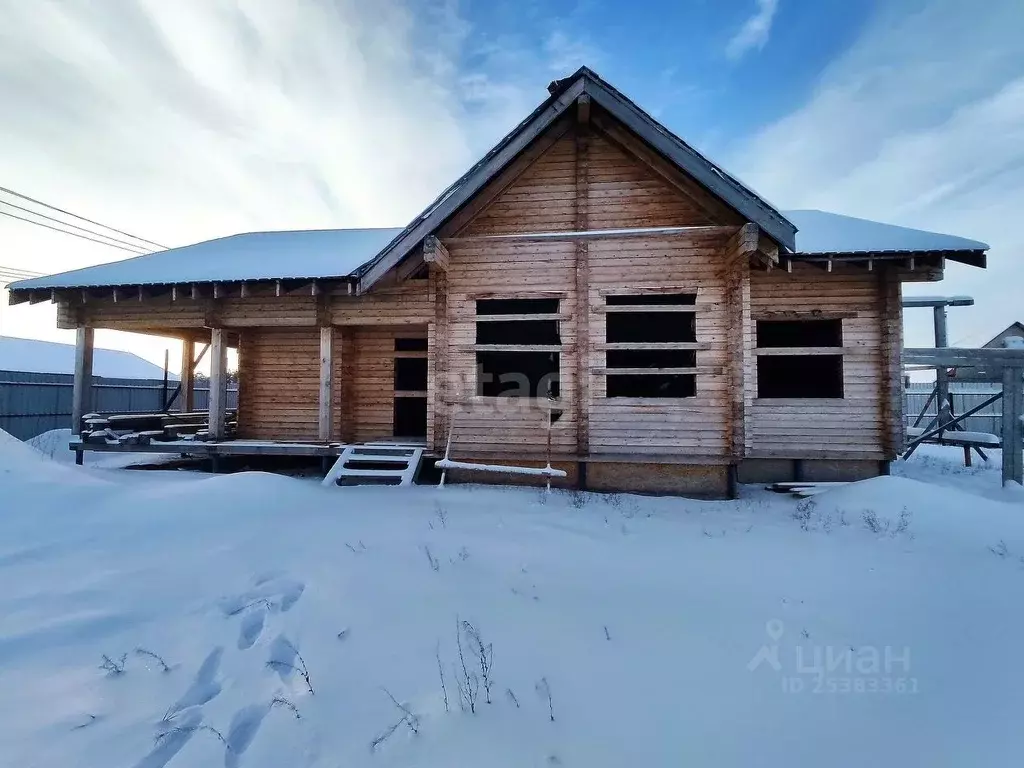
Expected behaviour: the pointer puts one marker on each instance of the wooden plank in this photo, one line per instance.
(326, 383)
(218, 383)
(82, 392)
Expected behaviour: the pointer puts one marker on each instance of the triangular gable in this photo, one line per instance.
(564, 93)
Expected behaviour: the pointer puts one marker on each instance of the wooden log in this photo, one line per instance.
(434, 252)
(1013, 429)
(81, 398)
(218, 383)
(326, 370)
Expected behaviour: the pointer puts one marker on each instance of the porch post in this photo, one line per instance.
(326, 371)
(188, 368)
(1013, 430)
(218, 383)
(81, 398)
(941, 372)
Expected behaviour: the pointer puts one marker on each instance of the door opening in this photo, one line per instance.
(410, 386)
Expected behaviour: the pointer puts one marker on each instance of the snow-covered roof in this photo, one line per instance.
(35, 356)
(304, 254)
(823, 232)
(326, 253)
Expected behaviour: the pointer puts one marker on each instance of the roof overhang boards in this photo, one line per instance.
(924, 262)
(243, 289)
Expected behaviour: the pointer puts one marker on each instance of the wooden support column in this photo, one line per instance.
(1013, 430)
(188, 371)
(941, 340)
(326, 386)
(891, 313)
(218, 383)
(440, 409)
(581, 310)
(740, 340)
(81, 402)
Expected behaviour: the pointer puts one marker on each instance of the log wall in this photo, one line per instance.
(620, 192)
(279, 383)
(851, 427)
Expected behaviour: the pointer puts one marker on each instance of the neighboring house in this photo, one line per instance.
(35, 356)
(592, 284)
(1011, 336)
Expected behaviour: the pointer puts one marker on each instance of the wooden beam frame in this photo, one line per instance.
(596, 234)
(435, 253)
(1010, 362)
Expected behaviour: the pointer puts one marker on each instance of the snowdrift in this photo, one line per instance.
(180, 619)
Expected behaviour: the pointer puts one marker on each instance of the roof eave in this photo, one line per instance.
(973, 258)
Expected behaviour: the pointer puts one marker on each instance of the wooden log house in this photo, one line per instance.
(593, 290)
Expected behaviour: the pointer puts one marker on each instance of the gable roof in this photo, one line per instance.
(309, 254)
(1015, 328)
(563, 94)
(35, 356)
(820, 232)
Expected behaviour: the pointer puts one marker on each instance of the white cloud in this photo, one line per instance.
(186, 120)
(755, 31)
(920, 123)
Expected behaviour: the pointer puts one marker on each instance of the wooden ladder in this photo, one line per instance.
(375, 464)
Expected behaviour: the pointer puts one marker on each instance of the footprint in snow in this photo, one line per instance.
(171, 742)
(244, 726)
(204, 687)
(282, 658)
(276, 593)
(252, 627)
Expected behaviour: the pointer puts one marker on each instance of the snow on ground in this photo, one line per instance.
(55, 445)
(877, 623)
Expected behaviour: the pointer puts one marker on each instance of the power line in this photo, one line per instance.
(9, 271)
(81, 218)
(68, 232)
(69, 224)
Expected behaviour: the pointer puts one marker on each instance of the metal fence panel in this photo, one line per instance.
(33, 403)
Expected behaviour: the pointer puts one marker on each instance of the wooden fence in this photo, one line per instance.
(33, 403)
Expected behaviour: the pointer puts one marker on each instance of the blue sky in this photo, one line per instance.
(194, 119)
